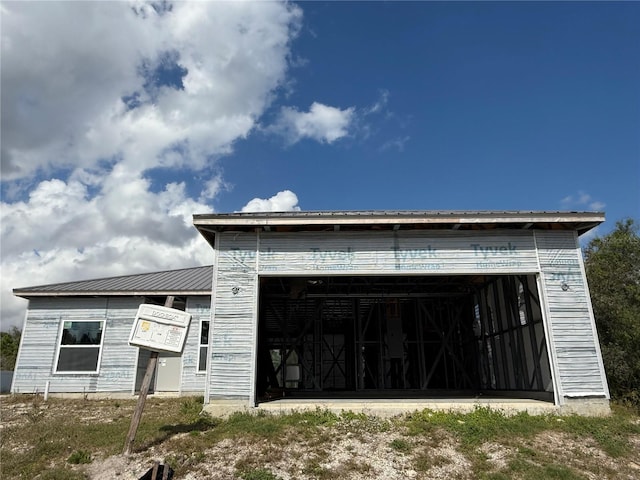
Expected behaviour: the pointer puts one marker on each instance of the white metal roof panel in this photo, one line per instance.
(197, 280)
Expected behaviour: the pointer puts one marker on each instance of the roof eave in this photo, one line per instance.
(209, 224)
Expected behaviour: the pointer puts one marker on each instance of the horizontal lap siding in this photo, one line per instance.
(118, 364)
(574, 341)
(382, 253)
(38, 349)
(234, 323)
(117, 368)
(36, 359)
(200, 309)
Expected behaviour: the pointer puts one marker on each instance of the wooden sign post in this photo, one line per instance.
(144, 390)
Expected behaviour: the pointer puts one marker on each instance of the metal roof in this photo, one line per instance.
(186, 281)
(582, 222)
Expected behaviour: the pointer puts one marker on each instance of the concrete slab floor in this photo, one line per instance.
(390, 408)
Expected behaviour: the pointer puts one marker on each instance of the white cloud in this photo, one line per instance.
(322, 123)
(66, 68)
(379, 105)
(212, 188)
(581, 201)
(395, 144)
(80, 92)
(60, 234)
(285, 201)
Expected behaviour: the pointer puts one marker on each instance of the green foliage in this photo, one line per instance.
(611, 433)
(401, 445)
(266, 425)
(191, 406)
(264, 442)
(533, 470)
(9, 344)
(424, 462)
(61, 474)
(79, 456)
(612, 263)
(481, 425)
(258, 474)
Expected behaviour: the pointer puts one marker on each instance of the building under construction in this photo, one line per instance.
(350, 305)
(401, 305)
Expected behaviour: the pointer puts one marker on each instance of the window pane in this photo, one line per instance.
(82, 359)
(204, 333)
(202, 361)
(81, 333)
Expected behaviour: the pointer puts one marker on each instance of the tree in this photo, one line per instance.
(9, 343)
(612, 264)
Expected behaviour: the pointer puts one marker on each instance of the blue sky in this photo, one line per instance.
(489, 106)
(119, 121)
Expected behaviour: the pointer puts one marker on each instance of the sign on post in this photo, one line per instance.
(159, 328)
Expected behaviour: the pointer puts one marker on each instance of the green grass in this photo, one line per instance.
(527, 470)
(481, 425)
(401, 445)
(79, 456)
(258, 474)
(54, 439)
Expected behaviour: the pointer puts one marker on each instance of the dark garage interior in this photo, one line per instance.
(401, 336)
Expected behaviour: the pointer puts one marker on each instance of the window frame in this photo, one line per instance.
(60, 346)
(202, 369)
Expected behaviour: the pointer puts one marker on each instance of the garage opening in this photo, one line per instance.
(401, 336)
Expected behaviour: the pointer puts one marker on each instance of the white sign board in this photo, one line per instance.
(160, 328)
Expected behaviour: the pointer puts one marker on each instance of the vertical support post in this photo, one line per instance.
(422, 344)
(498, 374)
(142, 397)
(507, 301)
(532, 334)
(513, 286)
(381, 349)
(502, 331)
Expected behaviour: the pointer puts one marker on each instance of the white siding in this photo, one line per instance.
(571, 327)
(117, 368)
(192, 381)
(234, 322)
(36, 359)
(574, 346)
(238, 265)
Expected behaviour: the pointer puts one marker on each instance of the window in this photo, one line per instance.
(80, 345)
(204, 346)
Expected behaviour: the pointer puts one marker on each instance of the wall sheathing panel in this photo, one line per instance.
(36, 359)
(574, 342)
(192, 380)
(335, 253)
(117, 367)
(369, 253)
(243, 257)
(234, 322)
